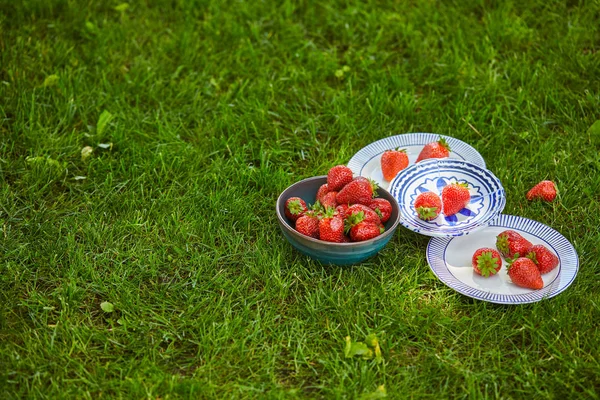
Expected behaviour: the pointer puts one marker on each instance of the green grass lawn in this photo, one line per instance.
(209, 110)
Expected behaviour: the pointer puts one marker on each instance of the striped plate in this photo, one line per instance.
(450, 260)
(487, 196)
(367, 161)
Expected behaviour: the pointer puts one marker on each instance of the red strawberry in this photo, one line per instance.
(428, 206)
(364, 231)
(331, 228)
(366, 214)
(545, 190)
(323, 189)
(392, 162)
(439, 149)
(523, 272)
(308, 224)
(357, 191)
(455, 197)
(294, 208)
(511, 244)
(382, 207)
(328, 200)
(545, 260)
(338, 177)
(486, 262)
(341, 210)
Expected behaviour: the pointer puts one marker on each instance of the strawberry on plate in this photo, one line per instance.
(439, 149)
(545, 190)
(382, 207)
(523, 272)
(455, 197)
(338, 177)
(392, 162)
(359, 191)
(294, 208)
(510, 244)
(486, 262)
(545, 259)
(428, 206)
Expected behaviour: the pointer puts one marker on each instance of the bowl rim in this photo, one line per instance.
(283, 220)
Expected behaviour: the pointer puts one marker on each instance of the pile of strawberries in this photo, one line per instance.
(345, 210)
(526, 262)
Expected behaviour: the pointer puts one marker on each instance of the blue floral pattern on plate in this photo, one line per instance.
(436, 185)
(488, 196)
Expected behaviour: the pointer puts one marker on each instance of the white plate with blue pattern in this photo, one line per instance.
(367, 161)
(487, 196)
(450, 261)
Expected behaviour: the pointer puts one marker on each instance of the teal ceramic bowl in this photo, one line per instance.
(325, 252)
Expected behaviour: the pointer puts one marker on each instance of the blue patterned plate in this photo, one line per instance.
(487, 196)
(450, 260)
(367, 161)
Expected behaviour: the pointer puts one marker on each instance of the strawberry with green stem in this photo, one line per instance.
(428, 206)
(359, 191)
(439, 149)
(486, 262)
(294, 208)
(545, 259)
(510, 244)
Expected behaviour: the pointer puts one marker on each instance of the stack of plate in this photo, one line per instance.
(455, 239)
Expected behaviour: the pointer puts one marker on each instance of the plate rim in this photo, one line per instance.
(359, 159)
(509, 221)
(463, 232)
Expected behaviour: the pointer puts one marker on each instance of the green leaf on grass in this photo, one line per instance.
(50, 80)
(356, 349)
(107, 307)
(104, 120)
(379, 393)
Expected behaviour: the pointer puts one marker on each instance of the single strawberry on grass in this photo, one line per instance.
(545, 259)
(308, 224)
(294, 208)
(486, 262)
(510, 244)
(392, 162)
(523, 272)
(359, 191)
(382, 207)
(338, 177)
(545, 190)
(439, 149)
(455, 197)
(428, 206)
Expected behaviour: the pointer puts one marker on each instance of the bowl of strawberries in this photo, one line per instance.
(337, 218)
